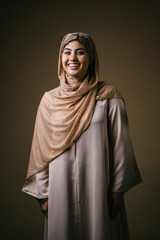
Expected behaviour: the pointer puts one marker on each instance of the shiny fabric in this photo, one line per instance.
(102, 158)
(65, 113)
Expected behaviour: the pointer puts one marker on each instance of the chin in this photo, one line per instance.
(73, 74)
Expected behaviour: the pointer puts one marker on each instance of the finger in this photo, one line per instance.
(45, 213)
(44, 207)
(114, 209)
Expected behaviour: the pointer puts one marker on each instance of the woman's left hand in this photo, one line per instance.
(44, 208)
(115, 203)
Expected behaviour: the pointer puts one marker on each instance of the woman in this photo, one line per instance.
(81, 161)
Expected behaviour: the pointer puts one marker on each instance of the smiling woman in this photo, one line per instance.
(82, 160)
(75, 60)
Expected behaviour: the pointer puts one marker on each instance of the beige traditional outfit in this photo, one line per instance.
(81, 149)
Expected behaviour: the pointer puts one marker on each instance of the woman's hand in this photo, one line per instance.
(115, 203)
(44, 208)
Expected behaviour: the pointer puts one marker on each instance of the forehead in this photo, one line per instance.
(74, 45)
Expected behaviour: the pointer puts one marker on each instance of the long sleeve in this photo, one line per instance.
(37, 185)
(125, 173)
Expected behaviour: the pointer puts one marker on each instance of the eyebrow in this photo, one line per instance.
(76, 49)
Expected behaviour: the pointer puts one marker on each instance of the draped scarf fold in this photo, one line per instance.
(64, 113)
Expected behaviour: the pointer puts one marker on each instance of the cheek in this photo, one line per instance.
(86, 64)
(63, 61)
(86, 61)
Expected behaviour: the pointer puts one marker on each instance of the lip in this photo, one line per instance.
(73, 66)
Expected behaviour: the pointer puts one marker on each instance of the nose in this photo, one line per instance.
(73, 56)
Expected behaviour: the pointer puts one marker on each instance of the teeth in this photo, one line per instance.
(73, 65)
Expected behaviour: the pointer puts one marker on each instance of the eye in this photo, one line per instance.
(80, 52)
(67, 52)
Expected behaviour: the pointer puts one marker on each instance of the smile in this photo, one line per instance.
(73, 65)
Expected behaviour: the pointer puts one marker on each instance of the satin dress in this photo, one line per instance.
(77, 182)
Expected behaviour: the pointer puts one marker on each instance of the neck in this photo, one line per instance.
(74, 80)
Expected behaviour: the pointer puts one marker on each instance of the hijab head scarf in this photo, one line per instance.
(89, 45)
(65, 112)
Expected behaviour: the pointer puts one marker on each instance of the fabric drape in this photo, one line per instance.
(64, 113)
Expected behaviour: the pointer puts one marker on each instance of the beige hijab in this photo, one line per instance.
(65, 112)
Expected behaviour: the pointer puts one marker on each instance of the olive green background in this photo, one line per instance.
(126, 34)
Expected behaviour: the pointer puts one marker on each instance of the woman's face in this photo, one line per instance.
(75, 59)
